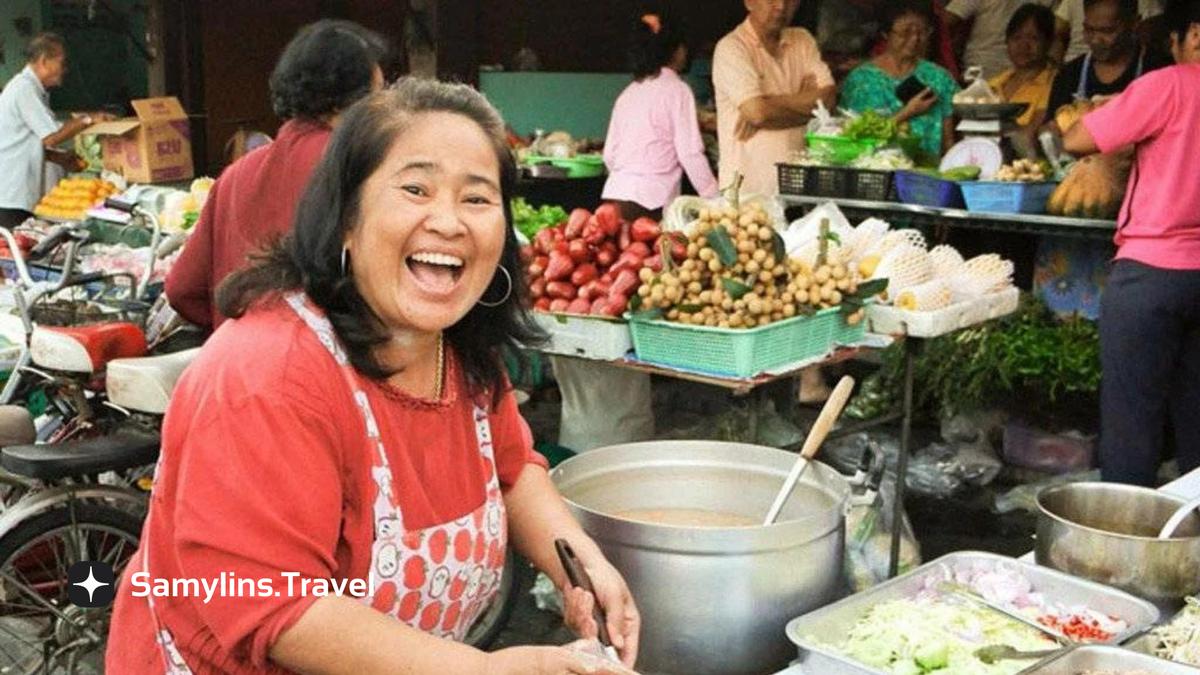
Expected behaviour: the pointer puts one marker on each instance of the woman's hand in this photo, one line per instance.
(548, 661)
(917, 105)
(622, 618)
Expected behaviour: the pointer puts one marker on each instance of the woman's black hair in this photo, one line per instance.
(1042, 18)
(1179, 17)
(325, 68)
(310, 257)
(894, 11)
(649, 51)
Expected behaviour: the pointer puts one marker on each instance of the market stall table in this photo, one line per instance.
(913, 215)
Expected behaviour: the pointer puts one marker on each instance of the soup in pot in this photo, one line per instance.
(687, 518)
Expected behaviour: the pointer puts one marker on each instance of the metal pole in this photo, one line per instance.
(910, 347)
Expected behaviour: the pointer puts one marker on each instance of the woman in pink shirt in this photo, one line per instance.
(654, 135)
(1150, 311)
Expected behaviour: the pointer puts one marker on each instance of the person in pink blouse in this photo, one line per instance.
(1150, 309)
(654, 135)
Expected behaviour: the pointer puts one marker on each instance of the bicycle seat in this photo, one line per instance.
(144, 384)
(85, 349)
(124, 449)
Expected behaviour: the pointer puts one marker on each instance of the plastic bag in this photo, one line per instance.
(978, 92)
(1024, 497)
(869, 540)
(593, 653)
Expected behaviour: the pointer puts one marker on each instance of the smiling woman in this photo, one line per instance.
(403, 231)
(352, 421)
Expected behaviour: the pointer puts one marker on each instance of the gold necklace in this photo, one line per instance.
(441, 360)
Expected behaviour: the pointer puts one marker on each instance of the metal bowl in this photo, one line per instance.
(1108, 533)
(713, 599)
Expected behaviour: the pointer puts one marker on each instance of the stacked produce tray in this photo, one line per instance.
(1108, 659)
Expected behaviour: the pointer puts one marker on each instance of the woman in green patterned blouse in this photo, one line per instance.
(872, 86)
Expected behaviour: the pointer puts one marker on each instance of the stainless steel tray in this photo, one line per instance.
(1104, 657)
(830, 624)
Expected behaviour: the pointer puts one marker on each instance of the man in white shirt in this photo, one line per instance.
(986, 44)
(1070, 24)
(28, 130)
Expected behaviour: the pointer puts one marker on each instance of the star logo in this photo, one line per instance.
(91, 584)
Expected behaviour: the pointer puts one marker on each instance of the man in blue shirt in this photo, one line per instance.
(28, 130)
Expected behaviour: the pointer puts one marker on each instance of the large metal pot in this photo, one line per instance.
(1108, 533)
(713, 600)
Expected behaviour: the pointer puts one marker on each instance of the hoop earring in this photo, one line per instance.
(507, 293)
(345, 257)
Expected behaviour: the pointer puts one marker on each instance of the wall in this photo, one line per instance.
(12, 43)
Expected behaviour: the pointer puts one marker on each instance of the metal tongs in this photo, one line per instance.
(578, 577)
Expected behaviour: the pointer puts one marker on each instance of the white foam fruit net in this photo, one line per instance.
(927, 297)
(947, 261)
(980, 276)
(904, 266)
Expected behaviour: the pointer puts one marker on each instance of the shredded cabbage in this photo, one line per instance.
(911, 637)
(1180, 640)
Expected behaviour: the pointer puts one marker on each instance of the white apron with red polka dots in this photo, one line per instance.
(439, 579)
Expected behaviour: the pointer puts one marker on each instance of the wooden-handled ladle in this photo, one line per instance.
(816, 436)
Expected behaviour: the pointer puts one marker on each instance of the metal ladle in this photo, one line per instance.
(1177, 518)
(816, 436)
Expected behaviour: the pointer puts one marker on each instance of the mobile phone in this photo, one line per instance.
(909, 88)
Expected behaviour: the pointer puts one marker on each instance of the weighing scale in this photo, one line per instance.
(988, 132)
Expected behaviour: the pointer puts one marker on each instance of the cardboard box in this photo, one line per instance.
(153, 147)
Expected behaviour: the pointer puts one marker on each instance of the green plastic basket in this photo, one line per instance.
(740, 353)
(845, 334)
(840, 150)
(579, 166)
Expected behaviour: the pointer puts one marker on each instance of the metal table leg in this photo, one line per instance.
(910, 349)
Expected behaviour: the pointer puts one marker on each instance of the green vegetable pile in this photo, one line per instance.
(871, 126)
(960, 173)
(913, 637)
(529, 221)
(1030, 362)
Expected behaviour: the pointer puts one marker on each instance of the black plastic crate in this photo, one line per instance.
(837, 182)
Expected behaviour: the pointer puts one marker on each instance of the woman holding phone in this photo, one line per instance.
(902, 83)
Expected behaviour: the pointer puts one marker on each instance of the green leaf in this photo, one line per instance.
(652, 314)
(561, 318)
(735, 288)
(689, 309)
(834, 237)
(778, 245)
(635, 303)
(869, 289)
(720, 243)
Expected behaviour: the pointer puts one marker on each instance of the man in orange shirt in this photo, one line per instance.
(768, 78)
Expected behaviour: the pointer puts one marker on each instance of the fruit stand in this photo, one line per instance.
(915, 215)
(725, 294)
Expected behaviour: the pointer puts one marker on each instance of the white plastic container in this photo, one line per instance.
(888, 320)
(590, 337)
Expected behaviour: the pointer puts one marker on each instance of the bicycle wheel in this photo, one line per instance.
(40, 630)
